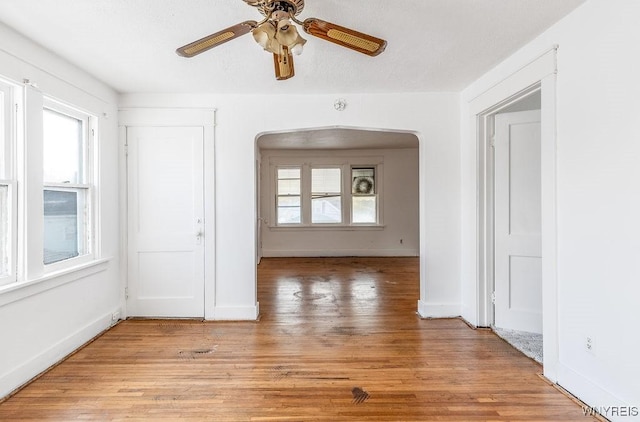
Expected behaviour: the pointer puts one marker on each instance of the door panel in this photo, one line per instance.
(518, 242)
(166, 223)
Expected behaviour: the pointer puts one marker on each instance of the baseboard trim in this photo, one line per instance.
(438, 310)
(236, 313)
(22, 375)
(588, 392)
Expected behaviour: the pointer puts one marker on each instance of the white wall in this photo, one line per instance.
(49, 317)
(433, 117)
(399, 206)
(598, 180)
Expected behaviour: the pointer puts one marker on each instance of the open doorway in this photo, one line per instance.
(538, 74)
(516, 189)
(338, 192)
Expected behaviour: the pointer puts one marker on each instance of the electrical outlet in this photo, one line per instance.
(115, 316)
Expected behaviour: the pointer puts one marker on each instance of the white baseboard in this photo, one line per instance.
(301, 253)
(30, 369)
(438, 310)
(236, 313)
(605, 402)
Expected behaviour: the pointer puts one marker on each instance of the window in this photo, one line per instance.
(289, 204)
(67, 184)
(5, 232)
(8, 219)
(326, 196)
(317, 192)
(364, 201)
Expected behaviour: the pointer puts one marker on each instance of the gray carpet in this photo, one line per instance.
(528, 343)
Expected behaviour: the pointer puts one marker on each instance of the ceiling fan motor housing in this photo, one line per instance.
(267, 7)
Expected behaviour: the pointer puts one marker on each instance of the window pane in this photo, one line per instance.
(289, 210)
(62, 225)
(4, 231)
(364, 209)
(63, 148)
(292, 173)
(3, 146)
(289, 187)
(327, 209)
(324, 181)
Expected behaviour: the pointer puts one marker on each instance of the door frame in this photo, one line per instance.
(172, 117)
(487, 124)
(538, 75)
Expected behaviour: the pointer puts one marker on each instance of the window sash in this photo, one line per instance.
(80, 156)
(66, 232)
(7, 232)
(6, 130)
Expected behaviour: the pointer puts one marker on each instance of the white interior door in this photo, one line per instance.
(518, 245)
(165, 222)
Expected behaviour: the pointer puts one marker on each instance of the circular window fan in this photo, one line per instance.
(363, 185)
(277, 34)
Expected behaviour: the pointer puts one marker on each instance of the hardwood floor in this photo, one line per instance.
(339, 339)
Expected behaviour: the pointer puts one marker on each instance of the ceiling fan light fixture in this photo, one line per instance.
(277, 34)
(283, 62)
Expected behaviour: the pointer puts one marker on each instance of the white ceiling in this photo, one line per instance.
(433, 45)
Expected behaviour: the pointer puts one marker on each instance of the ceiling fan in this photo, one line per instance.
(277, 35)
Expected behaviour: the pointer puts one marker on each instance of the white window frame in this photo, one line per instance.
(278, 196)
(375, 194)
(86, 238)
(346, 164)
(8, 147)
(342, 194)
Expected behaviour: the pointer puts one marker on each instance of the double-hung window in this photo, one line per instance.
(8, 217)
(326, 195)
(288, 196)
(364, 199)
(67, 183)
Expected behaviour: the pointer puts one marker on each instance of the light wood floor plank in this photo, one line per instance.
(328, 326)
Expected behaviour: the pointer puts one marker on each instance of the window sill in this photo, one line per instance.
(329, 227)
(17, 291)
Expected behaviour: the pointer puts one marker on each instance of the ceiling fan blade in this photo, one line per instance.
(216, 39)
(345, 37)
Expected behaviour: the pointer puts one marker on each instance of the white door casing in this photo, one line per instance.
(165, 222)
(518, 240)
